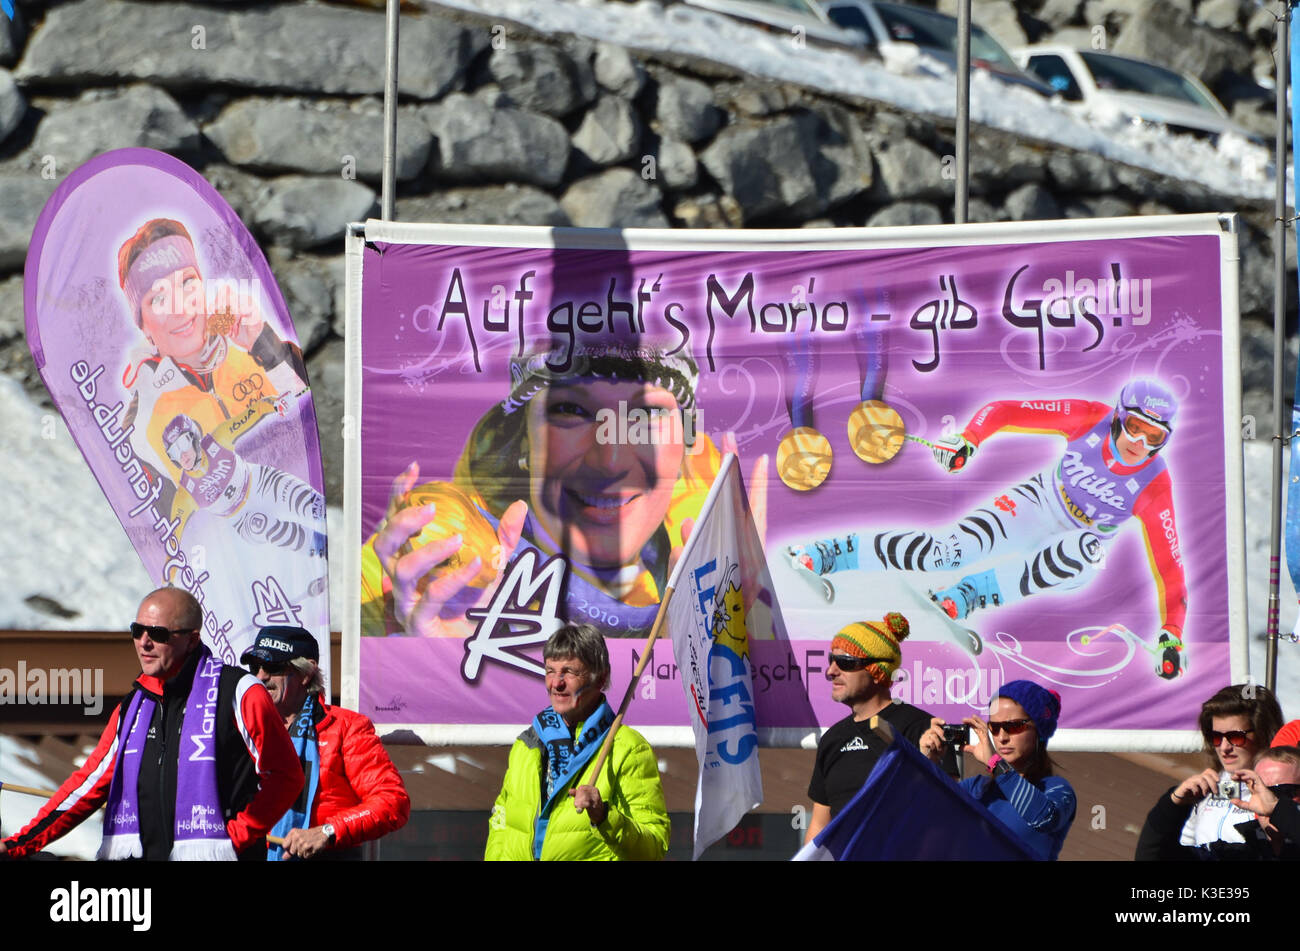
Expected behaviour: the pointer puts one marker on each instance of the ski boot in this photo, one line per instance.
(1172, 664)
(826, 555)
(971, 592)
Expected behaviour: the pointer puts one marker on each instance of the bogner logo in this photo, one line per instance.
(1081, 477)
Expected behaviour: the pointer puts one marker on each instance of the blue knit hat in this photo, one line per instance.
(1043, 706)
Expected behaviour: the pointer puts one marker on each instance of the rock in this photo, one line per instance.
(978, 211)
(1059, 13)
(326, 376)
(907, 170)
(487, 205)
(1084, 172)
(766, 169)
(1220, 14)
(12, 326)
(541, 78)
(684, 109)
(318, 137)
(610, 132)
(1256, 116)
(617, 72)
(616, 198)
(1108, 206)
(24, 197)
(999, 17)
(842, 163)
(1256, 282)
(302, 212)
(237, 187)
(308, 285)
(102, 120)
(756, 98)
(1162, 33)
(1261, 28)
(1030, 203)
(12, 104)
(675, 165)
(476, 142)
(709, 211)
(12, 33)
(1004, 166)
(905, 213)
(311, 48)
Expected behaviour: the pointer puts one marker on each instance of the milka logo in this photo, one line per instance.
(1081, 477)
(210, 484)
(1156, 402)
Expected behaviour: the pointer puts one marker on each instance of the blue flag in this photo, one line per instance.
(908, 809)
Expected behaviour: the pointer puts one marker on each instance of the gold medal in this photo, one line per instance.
(454, 514)
(803, 458)
(876, 431)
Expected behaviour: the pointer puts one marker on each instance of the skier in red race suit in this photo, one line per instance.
(1049, 532)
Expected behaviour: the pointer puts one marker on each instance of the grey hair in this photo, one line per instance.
(305, 665)
(584, 642)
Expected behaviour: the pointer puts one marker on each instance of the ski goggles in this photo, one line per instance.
(1235, 737)
(1010, 727)
(158, 633)
(184, 444)
(1142, 430)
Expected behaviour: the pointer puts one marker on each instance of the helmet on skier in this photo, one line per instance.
(181, 435)
(1145, 411)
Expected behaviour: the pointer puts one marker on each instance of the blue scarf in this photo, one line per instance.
(565, 757)
(303, 734)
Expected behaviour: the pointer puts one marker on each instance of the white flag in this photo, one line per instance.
(715, 579)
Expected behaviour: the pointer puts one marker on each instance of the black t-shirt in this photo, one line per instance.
(848, 751)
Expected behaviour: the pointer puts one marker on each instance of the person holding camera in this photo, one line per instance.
(863, 658)
(1198, 817)
(1020, 787)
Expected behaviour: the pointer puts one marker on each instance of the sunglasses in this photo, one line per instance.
(1286, 790)
(1235, 737)
(274, 668)
(157, 632)
(1012, 727)
(848, 663)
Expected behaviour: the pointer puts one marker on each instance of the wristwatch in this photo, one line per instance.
(328, 829)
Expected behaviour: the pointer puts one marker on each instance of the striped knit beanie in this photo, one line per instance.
(876, 639)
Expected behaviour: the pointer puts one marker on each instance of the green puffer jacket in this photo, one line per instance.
(637, 824)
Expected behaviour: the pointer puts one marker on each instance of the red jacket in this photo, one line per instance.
(256, 761)
(360, 792)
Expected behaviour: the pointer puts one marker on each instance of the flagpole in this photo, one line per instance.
(728, 462)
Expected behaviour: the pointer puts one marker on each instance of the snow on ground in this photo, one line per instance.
(1235, 169)
(20, 765)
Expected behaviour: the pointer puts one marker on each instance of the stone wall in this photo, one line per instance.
(279, 106)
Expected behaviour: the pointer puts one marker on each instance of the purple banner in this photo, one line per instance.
(1018, 446)
(163, 339)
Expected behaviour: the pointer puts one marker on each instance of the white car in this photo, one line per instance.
(792, 17)
(1118, 89)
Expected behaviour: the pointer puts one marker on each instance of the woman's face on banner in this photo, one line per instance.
(174, 314)
(603, 458)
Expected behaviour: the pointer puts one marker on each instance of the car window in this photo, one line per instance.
(1053, 71)
(851, 18)
(1126, 75)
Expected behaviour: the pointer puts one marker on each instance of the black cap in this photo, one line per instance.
(275, 645)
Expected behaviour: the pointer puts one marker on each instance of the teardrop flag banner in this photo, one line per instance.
(166, 345)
